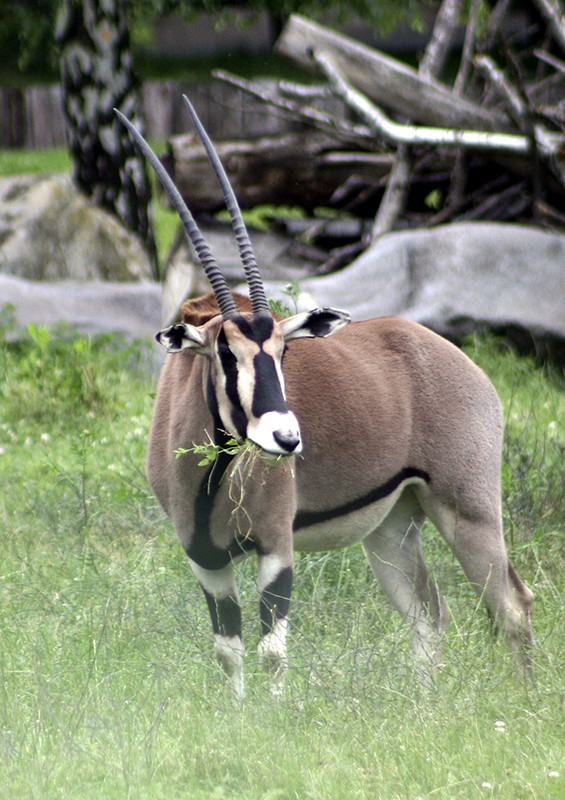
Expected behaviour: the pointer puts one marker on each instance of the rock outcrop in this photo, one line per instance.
(457, 279)
(50, 231)
(131, 309)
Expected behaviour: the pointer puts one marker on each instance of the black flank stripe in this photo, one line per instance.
(305, 518)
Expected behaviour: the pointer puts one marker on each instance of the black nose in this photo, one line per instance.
(287, 440)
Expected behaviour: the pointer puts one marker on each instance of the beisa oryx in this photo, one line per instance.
(376, 428)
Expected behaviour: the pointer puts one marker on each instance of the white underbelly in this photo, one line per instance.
(345, 530)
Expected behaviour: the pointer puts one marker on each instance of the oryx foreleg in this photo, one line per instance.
(221, 594)
(275, 585)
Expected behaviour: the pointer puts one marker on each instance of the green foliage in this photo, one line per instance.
(208, 452)
(533, 478)
(47, 372)
(434, 199)
(261, 216)
(108, 684)
(287, 309)
(27, 34)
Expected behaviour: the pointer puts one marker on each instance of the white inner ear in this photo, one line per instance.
(302, 325)
(293, 327)
(184, 336)
(194, 337)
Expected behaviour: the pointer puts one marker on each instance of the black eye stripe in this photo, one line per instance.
(267, 392)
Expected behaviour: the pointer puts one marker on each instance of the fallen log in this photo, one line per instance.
(387, 81)
(303, 168)
(398, 133)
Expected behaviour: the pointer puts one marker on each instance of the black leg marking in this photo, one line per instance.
(201, 548)
(275, 600)
(225, 615)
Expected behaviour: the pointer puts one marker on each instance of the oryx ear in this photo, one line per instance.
(320, 322)
(180, 337)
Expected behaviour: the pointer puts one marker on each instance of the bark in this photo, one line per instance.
(554, 13)
(304, 168)
(395, 195)
(331, 124)
(419, 135)
(385, 80)
(97, 75)
(431, 64)
(516, 105)
(468, 48)
(438, 47)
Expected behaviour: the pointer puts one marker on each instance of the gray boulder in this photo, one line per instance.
(457, 279)
(131, 309)
(50, 231)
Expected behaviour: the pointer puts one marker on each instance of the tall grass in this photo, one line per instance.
(108, 686)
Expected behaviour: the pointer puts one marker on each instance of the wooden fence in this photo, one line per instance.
(33, 118)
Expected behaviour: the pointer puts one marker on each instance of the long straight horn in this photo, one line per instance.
(221, 289)
(257, 295)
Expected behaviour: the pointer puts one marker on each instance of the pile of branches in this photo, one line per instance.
(487, 145)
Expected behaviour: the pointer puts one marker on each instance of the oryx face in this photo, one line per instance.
(246, 354)
(250, 384)
(245, 351)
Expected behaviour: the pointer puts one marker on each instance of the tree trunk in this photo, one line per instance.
(98, 76)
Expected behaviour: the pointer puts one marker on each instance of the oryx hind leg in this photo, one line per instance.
(478, 544)
(221, 594)
(394, 553)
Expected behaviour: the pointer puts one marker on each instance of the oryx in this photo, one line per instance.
(376, 428)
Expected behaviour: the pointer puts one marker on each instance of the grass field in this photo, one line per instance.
(108, 686)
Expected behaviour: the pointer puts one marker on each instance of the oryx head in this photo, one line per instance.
(245, 350)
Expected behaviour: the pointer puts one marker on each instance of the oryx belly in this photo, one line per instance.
(344, 529)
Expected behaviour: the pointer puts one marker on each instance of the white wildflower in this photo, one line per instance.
(45, 437)
(553, 773)
(486, 785)
(500, 726)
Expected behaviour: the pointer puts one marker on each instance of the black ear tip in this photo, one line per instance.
(326, 320)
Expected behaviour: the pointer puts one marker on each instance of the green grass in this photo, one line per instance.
(108, 686)
(17, 161)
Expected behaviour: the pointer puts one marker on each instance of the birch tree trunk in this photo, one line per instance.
(98, 76)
